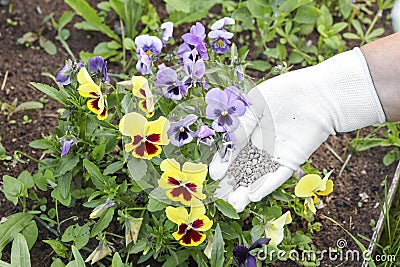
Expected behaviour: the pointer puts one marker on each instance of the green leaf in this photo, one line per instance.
(56, 263)
(256, 232)
(67, 163)
(96, 176)
(103, 222)
(12, 188)
(137, 168)
(47, 45)
(14, 224)
(155, 205)
(325, 18)
(217, 253)
(51, 92)
(129, 44)
(390, 157)
(30, 232)
(5, 264)
(226, 209)
(98, 152)
(113, 167)
(260, 65)
(78, 258)
(241, 14)
(117, 261)
(257, 10)
(345, 8)
(83, 9)
(28, 105)
(178, 5)
(290, 5)
(58, 247)
(375, 34)
(65, 18)
(26, 178)
(78, 234)
(307, 14)
(118, 6)
(351, 36)
(20, 252)
(44, 144)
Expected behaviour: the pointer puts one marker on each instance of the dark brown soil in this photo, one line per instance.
(364, 172)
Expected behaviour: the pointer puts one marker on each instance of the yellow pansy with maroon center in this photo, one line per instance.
(190, 225)
(183, 185)
(147, 136)
(88, 88)
(140, 88)
(312, 185)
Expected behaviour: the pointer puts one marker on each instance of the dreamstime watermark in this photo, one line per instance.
(338, 253)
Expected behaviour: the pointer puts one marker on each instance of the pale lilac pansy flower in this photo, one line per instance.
(151, 45)
(224, 108)
(144, 63)
(179, 132)
(167, 30)
(66, 143)
(221, 23)
(195, 40)
(220, 44)
(167, 80)
(205, 135)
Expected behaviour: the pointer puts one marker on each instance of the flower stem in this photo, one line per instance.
(28, 156)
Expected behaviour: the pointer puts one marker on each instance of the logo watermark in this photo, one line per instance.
(339, 253)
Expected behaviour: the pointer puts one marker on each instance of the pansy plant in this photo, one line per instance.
(274, 229)
(312, 185)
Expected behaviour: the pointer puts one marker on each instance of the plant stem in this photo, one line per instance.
(371, 26)
(28, 156)
(45, 225)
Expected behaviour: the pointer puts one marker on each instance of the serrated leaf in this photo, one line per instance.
(98, 152)
(226, 208)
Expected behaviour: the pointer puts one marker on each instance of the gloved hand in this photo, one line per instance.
(293, 114)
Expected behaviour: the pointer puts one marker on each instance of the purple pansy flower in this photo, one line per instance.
(167, 80)
(65, 75)
(144, 63)
(67, 142)
(195, 73)
(238, 71)
(228, 146)
(234, 94)
(242, 255)
(224, 108)
(179, 132)
(220, 44)
(221, 23)
(195, 40)
(205, 135)
(167, 30)
(151, 45)
(98, 66)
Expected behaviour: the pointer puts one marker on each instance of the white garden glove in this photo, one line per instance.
(293, 114)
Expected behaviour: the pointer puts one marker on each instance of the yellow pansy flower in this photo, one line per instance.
(140, 88)
(183, 185)
(312, 185)
(190, 225)
(147, 136)
(274, 229)
(89, 89)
